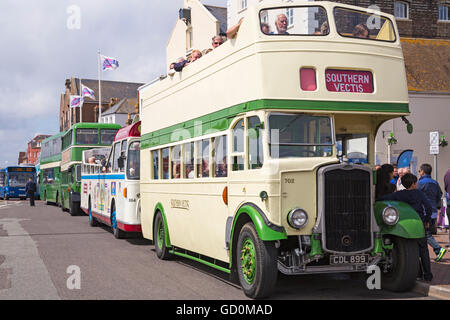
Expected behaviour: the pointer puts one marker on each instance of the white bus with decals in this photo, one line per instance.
(110, 183)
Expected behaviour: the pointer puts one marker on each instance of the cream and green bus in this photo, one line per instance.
(258, 158)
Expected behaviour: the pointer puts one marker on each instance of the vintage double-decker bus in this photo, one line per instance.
(50, 169)
(241, 168)
(80, 137)
(13, 180)
(110, 183)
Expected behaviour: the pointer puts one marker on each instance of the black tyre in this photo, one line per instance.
(159, 238)
(62, 203)
(92, 221)
(256, 263)
(45, 198)
(118, 234)
(402, 265)
(74, 208)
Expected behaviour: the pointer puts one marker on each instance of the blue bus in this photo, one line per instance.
(13, 181)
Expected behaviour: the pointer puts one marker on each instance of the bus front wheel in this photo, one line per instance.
(401, 265)
(256, 263)
(159, 238)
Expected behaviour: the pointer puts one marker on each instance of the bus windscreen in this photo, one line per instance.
(295, 21)
(363, 25)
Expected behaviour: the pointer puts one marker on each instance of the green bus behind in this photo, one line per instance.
(80, 137)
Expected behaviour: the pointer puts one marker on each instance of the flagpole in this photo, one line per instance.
(99, 87)
(81, 104)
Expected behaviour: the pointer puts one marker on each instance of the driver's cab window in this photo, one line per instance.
(116, 157)
(353, 148)
(238, 146)
(249, 128)
(108, 167)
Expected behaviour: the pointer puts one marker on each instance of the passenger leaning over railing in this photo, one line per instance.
(195, 55)
(217, 41)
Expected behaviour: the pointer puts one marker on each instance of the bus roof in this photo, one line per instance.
(133, 130)
(92, 125)
(255, 71)
(58, 135)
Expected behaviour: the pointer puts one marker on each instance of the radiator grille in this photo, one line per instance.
(347, 210)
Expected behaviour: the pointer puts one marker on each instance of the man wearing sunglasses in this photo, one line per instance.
(216, 41)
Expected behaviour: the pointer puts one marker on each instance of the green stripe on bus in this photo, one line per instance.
(221, 120)
(184, 255)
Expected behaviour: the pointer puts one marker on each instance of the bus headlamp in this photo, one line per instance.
(297, 218)
(390, 216)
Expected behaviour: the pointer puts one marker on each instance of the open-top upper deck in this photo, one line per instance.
(256, 70)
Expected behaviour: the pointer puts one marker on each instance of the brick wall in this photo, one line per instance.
(423, 17)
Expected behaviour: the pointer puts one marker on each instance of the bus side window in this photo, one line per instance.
(203, 158)
(220, 156)
(155, 155)
(188, 151)
(176, 162)
(165, 163)
(238, 146)
(255, 152)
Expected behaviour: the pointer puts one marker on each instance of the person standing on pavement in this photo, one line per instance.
(434, 193)
(30, 189)
(420, 203)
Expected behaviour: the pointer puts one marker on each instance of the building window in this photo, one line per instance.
(243, 4)
(189, 39)
(290, 16)
(401, 10)
(443, 13)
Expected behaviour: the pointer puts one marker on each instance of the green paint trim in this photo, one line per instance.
(200, 260)
(265, 233)
(55, 158)
(159, 207)
(378, 247)
(409, 226)
(221, 120)
(316, 246)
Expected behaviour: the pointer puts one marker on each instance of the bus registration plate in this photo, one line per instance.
(352, 259)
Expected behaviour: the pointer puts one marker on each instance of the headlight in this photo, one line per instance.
(297, 218)
(390, 216)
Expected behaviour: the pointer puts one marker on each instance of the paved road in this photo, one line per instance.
(38, 245)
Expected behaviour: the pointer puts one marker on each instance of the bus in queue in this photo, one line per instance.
(110, 183)
(80, 137)
(50, 169)
(240, 166)
(13, 180)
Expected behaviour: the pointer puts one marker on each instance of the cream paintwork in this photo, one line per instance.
(51, 165)
(252, 67)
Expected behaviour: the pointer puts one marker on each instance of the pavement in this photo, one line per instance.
(439, 287)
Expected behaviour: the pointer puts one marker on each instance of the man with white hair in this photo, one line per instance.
(281, 24)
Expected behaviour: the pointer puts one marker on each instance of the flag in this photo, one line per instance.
(76, 101)
(109, 63)
(86, 92)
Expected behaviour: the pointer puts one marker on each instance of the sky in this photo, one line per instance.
(45, 42)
